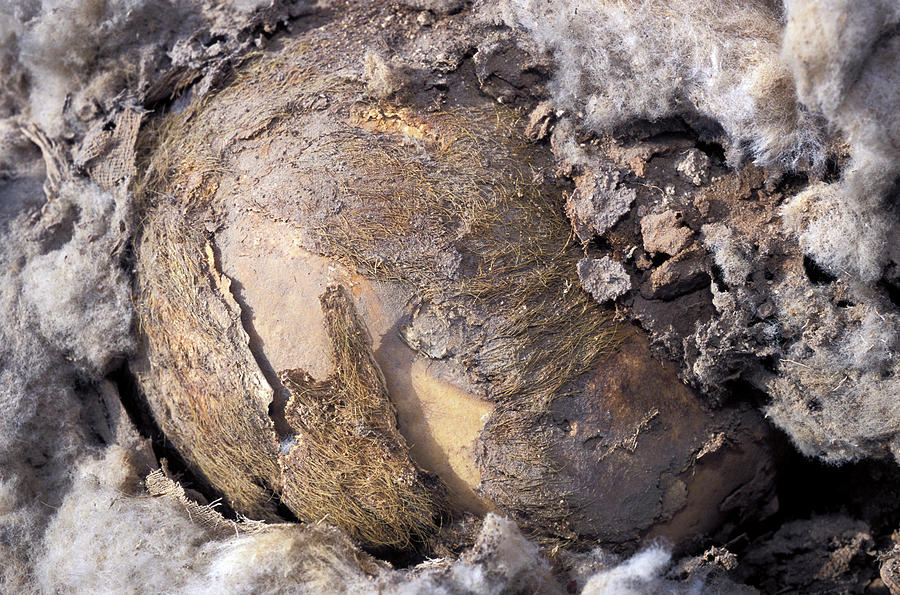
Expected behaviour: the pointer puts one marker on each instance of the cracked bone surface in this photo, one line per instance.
(370, 312)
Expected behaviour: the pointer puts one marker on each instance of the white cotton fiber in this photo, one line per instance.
(109, 536)
(836, 391)
(43, 395)
(79, 293)
(827, 43)
(65, 61)
(103, 539)
(843, 55)
(501, 561)
(618, 61)
(638, 575)
(284, 559)
(843, 230)
(60, 43)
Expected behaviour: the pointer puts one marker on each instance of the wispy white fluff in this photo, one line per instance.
(641, 574)
(836, 391)
(108, 537)
(79, 294)
(617, 61)
(64, 317)
(64, 61)
(76, 53)
(843, 55)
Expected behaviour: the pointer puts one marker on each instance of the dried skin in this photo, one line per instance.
(348, 462)
(203, 385)
(456, 207)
